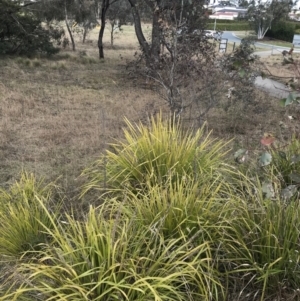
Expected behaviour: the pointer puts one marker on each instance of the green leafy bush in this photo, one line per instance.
(238, 26)
(282, 31)
(277, 168)
(212, 21)
(22, 33)
(286, 162)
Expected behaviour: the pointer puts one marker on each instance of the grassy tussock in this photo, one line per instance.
(262, 242)
(153, 155)
(21, 216)
(100, 259)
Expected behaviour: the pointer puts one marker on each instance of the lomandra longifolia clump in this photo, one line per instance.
(151, 154)
(22, 218)
(112, 258)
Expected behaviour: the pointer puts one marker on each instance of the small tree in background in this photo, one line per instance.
(85, 16)
(260, 17)
(184, 63)
(105, 4)
(118, 15)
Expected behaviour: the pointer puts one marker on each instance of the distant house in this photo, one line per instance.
(295, 15)
(227, 12)
(224, 16)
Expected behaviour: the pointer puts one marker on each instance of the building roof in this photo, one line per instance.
(229, 9)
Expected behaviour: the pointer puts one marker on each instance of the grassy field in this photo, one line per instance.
(59, 114)
(243, 34)
(277, 43)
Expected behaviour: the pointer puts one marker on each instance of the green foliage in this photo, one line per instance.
(277, 168)
(236, 21)
(238, 26)
(22, 33)
(22, 216)
(262, 246)
(292, 98)
(265, 159)
(282, 31)
(106, 257)
(241, 64)
(153, 154)
(183, 207)
(286, 163)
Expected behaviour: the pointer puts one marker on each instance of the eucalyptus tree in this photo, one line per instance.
(262, 14)
(178, 51)
(184, 63)
(118, 15)
(105, 5)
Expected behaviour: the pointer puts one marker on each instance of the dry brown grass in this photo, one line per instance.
(59, 114)
(275, 68)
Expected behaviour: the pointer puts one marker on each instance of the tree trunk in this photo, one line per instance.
(112, 34)
(105, 5)
(156, 36)
(68, 28)
(85, 31)
(138, 29)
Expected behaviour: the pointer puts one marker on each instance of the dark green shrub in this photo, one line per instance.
(21, 32)
(294, 23)
(287, 163)
(282, 31)
(238, 26)
(211, 21)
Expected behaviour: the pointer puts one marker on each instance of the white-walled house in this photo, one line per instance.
(227, 12)
(295, 15)
(224, 16)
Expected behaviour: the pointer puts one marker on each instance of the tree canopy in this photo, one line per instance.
(21, 31)
(262, 14)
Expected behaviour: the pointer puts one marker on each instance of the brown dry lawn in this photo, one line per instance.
(58, 115)
(277, 69)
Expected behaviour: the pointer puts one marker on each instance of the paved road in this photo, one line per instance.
(296, 40)
(274, 88)
(231, 37)
(273, 48)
